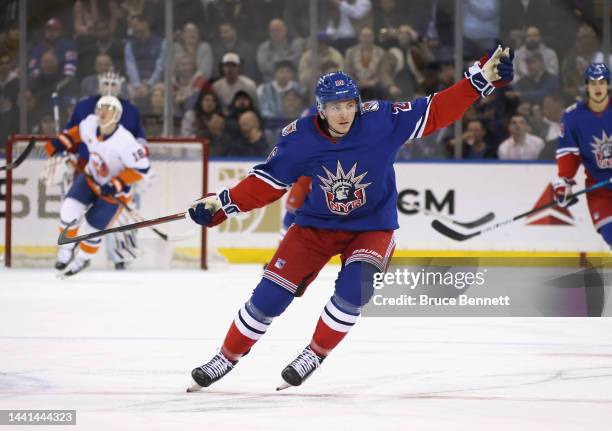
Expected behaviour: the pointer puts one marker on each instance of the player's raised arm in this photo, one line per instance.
(428, 114)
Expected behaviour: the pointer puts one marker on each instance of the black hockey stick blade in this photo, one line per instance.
(479, 222)
(451, 233)
(458, 236)
(19, 160)
(64, 239)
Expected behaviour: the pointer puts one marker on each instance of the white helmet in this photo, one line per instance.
(114, 104)
(109, 84)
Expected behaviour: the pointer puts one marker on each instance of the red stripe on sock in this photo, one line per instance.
(236, 344)
(325, 338)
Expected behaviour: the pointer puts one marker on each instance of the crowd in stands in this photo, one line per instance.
(243, 68)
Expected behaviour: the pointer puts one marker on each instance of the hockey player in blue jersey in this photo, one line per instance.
(586, 138)
(347, 150)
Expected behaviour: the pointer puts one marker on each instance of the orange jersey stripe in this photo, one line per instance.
(129, 176)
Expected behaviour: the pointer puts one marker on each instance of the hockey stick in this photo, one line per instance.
(63, 239)
(133, 213)
(19, 160)
(458, 236)
(469, 224)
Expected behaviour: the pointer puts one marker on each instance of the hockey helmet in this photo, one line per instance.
(109, 84)
(114, 105)
(596, 72)
(336, 86)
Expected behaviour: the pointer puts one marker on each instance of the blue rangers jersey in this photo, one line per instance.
(586, 136)
(353, 180)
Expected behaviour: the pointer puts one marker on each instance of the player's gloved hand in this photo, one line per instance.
(209, 211)
(562, 188)
(58, 145)
(114, 186)
(493, 70)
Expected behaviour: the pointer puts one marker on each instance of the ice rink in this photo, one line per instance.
(119, 346)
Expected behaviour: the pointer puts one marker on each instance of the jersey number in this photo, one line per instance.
(140, 154)
(400, 106)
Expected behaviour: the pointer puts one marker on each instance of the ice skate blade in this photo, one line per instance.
(194, 388)
(283, 385)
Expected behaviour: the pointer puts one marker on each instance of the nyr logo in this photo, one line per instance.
(343, 192)
(602, 149)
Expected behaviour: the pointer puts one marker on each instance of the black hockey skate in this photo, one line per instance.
(300, 369)
(210, 372)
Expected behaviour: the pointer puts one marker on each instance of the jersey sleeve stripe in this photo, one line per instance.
(568, 150)
(421, 128)
(268, 179)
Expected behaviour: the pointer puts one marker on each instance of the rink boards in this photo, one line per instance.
(465, 191)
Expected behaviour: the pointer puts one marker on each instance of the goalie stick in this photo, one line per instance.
(132, 212)
(19, 160)
(458, 236)
(64, 239)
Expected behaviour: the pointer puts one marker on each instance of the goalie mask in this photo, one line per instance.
(109, 84)
(114, 106)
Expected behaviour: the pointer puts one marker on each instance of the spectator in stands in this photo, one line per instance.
(388, 16)
(585, 51)
(270, 94)
(144, 59)
(481, 26)
(533, 43)
(252, 141)
(90, 85)
(329, 58)
(9, 91)
(232, 81)
(551, 113)
(44, 84)
(87, 13)
(46, 126)
(518, 15)
(278, 47)
(101, 42)
(537, 84)
(64, 49)
(520, 145)
(363, 62)
(188, 82)
(219, 142)
(294, 105)
(406, 65)
(153, 119)
(195, 121)
(476, 144)
(241, 103)
(228, 41)
(199, 51)
(342, 23)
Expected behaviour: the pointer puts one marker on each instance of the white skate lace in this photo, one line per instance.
(217, 366)
(305, 362)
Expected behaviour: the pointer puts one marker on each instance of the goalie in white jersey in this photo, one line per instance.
(115, 161)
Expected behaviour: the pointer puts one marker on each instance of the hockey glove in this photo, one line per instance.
(59, 145)
(493, 70)
(114, 186)
(562, 188)
(212, 209)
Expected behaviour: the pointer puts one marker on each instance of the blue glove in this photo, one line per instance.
(114, 186)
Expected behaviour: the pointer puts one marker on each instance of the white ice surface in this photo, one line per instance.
(118, 347)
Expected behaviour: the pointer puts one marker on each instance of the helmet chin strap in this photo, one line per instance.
(109, 122)
(330, 128)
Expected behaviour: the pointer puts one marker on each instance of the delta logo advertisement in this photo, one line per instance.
(554, 216)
